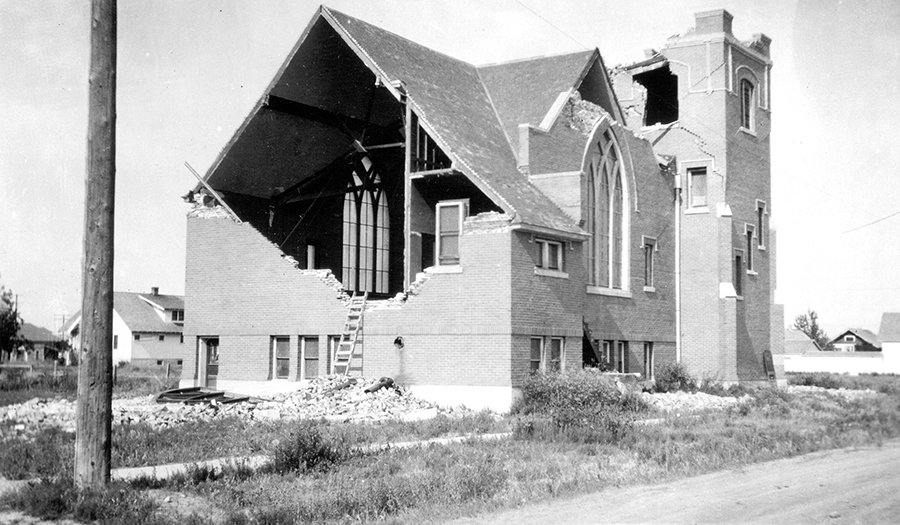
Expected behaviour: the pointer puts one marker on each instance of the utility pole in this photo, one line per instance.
(93, 431)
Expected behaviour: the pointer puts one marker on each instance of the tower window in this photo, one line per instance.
(697, 187)
(748, 112)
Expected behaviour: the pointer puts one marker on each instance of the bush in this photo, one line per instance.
(306, 448)
(822, 380)
(581, 407)
(675, 377)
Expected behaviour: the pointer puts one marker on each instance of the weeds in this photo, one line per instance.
(307, 448)
(675, 377)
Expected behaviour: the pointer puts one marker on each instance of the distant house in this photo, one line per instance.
(39, 344)
(147, 328)
(889, 335)
(856, 340)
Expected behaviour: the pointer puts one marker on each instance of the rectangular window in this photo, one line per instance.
(649, 251)
(849, 338)
(622, 357)
(450, 215)
(760, 223)
(697, 186)
(547, 354)
(554, 361)
(738, 272)
(180, 361)
(162, 338)
(310, 353)
(115, 342)
(648, 360)
(281, 352)
(749, 233)
(537, 349)
(177, 316)
(137, 337)
(550, 254)
(607, 352)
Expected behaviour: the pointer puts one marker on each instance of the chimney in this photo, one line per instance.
(154, 290)
(711, 22)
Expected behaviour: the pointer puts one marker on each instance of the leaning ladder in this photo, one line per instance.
(343, 354)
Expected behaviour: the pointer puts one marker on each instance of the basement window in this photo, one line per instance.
(662, 96)
(648, 360)
(450, 215)
(309, 352)
(622, 357)
(547, 354)
(281, 357)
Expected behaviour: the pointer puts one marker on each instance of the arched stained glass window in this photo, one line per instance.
(606, 217)
(366, 232)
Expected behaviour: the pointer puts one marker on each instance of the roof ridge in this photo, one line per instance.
(533, 58)
(333, 12)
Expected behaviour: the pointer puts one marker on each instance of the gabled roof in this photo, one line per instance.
(797, 342)
(450, 99)
(138, 314)
(37, 334)
(889, 331)
(523, 90)
(448, 95)
(164, 302)
(860, 333)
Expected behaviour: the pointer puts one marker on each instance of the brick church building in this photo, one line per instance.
(540, 214)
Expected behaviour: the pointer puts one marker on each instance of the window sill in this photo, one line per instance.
(610, 292)
(450, 268)
(697, 211)
(750, 132)
(551, 273)
(650, 289)
(761, 248)
(752, 272)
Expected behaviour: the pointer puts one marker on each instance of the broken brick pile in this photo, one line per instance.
(334, 398)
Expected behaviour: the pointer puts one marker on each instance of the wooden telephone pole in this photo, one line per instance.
(93, 431)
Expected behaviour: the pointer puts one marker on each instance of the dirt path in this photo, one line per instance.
(838, 487)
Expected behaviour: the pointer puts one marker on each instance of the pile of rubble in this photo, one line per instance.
(334, 398)
(680, 402)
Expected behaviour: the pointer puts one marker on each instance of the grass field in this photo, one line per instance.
(572, 435)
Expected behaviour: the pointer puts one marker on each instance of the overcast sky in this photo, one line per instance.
(190, 71)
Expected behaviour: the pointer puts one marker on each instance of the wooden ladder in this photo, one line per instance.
(343, 354)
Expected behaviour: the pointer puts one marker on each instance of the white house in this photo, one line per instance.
(147, 328)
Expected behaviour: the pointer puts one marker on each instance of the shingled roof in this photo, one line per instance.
(138, 312)
(449, 96)
(453, 104)
(523, 90)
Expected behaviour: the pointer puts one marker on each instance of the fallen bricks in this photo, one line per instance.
(333, 398)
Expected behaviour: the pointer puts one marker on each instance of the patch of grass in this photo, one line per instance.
(308, 448)
(18, 385)
(43, 455)
(116, 504)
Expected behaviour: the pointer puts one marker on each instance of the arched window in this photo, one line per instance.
(748, 120)
(366, 235)
(606, 217)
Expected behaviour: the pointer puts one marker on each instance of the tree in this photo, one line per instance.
(808, 323)
(10, 321)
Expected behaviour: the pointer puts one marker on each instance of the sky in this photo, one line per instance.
(189, 72)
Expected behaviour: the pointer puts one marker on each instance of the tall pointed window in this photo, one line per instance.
(748, 106)
(606, 217)
(366, 235)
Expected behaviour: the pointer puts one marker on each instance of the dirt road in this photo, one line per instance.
(835, 487)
